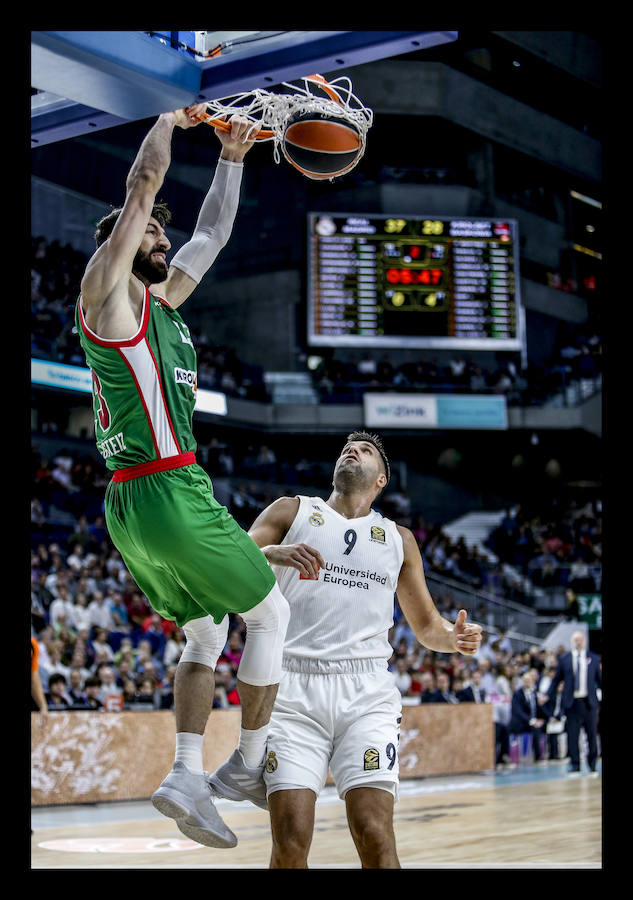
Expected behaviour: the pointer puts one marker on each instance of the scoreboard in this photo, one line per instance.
(420, 282)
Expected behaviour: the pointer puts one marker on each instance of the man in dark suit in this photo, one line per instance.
(474, 693)
(443, 694)
(525, 716)
(580, 672)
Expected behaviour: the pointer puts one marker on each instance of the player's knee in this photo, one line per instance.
(205, 641)
(266, 626)
(373, 838)
(291, 837)
(270, 614)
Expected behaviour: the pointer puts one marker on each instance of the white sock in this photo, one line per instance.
(189, 750)
(252, 745)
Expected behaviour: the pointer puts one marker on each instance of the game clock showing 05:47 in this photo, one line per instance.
(425, 282)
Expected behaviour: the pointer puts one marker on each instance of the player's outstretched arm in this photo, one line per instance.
(216, 217)
(268, 531)
(111, 265)
(430, 628)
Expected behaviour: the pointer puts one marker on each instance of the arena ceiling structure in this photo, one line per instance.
(86, 81)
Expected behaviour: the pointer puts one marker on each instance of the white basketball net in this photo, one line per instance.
(273, 111)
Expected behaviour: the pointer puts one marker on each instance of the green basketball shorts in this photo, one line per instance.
(184, 549)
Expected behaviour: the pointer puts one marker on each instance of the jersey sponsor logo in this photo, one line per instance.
(271, 762)
(371, 759)
(111, 446)
(377, 534)
(348, 574)
(316, 519)
(186, 376)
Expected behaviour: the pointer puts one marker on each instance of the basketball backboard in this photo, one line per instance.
(86, 81)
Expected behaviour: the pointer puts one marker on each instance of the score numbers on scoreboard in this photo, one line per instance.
(417, 282)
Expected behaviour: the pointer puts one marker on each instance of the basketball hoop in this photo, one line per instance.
(330, 134)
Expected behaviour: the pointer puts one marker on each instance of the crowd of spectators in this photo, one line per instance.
(576, 358)
(104, 647)
(498, 675)
(56, 273)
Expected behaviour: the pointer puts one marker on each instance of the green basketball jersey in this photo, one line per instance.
(144, 388)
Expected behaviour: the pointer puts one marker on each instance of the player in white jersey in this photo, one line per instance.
(339, 563)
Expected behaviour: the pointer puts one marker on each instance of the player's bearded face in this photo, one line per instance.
(151, 264)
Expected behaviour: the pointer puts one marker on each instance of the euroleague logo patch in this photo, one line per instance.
(377, 534)
(371, 759)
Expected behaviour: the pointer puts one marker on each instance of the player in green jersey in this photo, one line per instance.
(184, 550)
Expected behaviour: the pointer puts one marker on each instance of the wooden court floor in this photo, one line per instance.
(532, 817)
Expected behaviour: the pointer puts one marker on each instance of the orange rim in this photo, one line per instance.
(264, 134)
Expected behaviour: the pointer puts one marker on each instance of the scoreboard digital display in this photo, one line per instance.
(420, 282)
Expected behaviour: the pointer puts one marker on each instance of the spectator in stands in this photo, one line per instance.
(153, 634)
(402, 676)
(92, 691)
(79, 615)
(526, 716)
(581, 580)
(146, 661)
(226, 694)
(99, 612)
(472, 692)
(166, 693)
(234, 648)
(428, 685)
(443, 692)
(52, 663)
(137, 610)
(128, 687)
(173, 648)
(75, 687)
(100, 646)
(123, 670)
(556, 724)
(118, 611)
(56, 696)
(43, 595)
(108, 688)
(146, 692)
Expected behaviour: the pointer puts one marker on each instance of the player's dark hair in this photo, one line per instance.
(160, 212)
(377, 442)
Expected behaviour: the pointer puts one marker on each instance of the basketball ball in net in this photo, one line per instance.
(321, 146)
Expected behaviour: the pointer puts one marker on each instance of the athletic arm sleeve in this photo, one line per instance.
(215, 222)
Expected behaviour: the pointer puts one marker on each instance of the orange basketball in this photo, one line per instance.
(321, 146)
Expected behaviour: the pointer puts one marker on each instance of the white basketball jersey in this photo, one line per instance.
(346, 612)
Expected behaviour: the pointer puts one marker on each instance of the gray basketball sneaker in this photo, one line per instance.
(186, 797)
(234, 780)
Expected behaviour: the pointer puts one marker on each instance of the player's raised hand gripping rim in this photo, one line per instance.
(467, 636)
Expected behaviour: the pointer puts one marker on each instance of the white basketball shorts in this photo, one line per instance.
(341, 715)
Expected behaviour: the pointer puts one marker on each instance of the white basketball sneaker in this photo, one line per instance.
(234, 780)
(186, 797)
